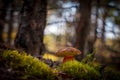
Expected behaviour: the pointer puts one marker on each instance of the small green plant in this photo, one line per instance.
(91, 61)
(79, 70)
(27, 64)
(89, 58)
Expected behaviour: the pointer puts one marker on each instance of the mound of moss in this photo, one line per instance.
(79, 70)
(28, 65)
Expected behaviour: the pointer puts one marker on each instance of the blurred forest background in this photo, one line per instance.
(45, 26)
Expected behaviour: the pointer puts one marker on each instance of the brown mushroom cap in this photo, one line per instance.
(68, 51)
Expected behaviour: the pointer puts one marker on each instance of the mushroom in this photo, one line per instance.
(68, 53)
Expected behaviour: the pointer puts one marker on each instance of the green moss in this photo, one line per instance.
(79, 70)
(91, 61)
(27, 64)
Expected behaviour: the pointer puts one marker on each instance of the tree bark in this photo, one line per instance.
(82, 30)
(31, 30)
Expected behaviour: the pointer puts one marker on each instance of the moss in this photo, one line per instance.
(80, 70)
(27, 64)
(91, 61)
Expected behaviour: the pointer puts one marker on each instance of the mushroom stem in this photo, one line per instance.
(68, 58)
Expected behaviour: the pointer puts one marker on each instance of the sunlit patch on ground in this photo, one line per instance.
(52, 57)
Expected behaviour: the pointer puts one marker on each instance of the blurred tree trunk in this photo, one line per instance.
(103, 26)
(82, 30)
(10, 22)
(93, 33)
(31, 30)
(3, 8)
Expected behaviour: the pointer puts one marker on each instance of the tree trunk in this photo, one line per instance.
(103, 26)
(3, 8)
(93, 31)
(31, 30)
(10, 22)
(82, 30)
